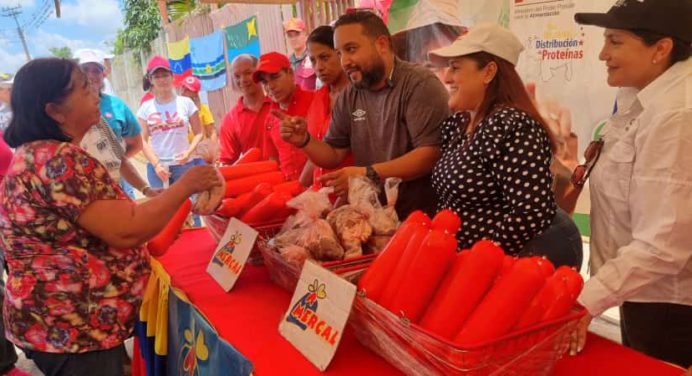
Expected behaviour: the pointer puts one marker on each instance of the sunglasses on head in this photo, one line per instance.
(583, 171)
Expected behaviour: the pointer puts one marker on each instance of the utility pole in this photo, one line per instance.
(14, 12)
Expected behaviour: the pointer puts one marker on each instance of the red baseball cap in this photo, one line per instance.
(294, 24)
(158, 62)
(271, 62)
(192, 83)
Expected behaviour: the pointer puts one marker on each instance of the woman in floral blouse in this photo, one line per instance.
(72, 238)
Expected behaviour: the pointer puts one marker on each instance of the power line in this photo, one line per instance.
(14, 12)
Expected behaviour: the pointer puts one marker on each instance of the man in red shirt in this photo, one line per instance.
(245, 126)
(276, 75)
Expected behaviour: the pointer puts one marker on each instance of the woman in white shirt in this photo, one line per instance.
(641, 180)
(165, 120)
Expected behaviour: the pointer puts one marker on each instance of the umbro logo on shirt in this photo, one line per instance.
(359, 115)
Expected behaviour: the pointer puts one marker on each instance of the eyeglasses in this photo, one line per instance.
(583, 171)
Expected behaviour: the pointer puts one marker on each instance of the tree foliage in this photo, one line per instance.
(142, 24)
(64, 52)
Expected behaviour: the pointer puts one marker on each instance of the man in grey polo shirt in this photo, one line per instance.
(389, 118)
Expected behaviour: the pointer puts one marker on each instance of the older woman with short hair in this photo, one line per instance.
(72, 238)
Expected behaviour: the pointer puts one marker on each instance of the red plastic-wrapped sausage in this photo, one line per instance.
(446, 220)
(272, 207)
(474, 274)
(159, 244)
(504, 304)
(404, 265)
(375, 279)
(570, 287)
(418, 286)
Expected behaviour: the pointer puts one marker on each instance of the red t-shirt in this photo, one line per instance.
(318, 119)
(243, 129)
(291, 159)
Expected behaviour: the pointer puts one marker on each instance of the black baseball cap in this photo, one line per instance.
(672, 18)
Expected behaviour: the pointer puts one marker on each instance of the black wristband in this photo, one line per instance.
(306, 142)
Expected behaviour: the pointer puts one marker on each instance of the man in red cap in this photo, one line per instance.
(305, 75)
(245, 126)
(277, 78)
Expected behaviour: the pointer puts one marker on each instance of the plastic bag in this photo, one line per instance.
(205, 203)
(352, 227)
(384, 220)
(308, 229)
(294, 254)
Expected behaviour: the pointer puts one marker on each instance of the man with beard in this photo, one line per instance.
(389, 118)
(245, 126)
(277, 78)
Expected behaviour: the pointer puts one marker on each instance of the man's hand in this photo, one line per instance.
(578, 336)
(339, 179)
(293, 129)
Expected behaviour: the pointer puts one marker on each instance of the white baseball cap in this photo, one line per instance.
(485, 37)
(86, 55)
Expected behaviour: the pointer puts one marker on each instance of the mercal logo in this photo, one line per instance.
(224, 257)
(304, 314)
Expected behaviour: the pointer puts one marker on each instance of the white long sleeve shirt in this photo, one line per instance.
(641, 198)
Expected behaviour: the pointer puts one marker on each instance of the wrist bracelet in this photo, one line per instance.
(144, 188)
(306, 142)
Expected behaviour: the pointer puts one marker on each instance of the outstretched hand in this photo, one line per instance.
(293, 129)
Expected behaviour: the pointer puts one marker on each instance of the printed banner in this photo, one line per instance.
(242, 38)
(231, 254)
(194, 346)
(180, 59)
(208, 61)
(316, 317)
(561, 57)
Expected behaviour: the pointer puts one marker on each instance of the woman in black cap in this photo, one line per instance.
(641, 187)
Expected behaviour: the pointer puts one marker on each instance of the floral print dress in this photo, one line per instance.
(67, 290)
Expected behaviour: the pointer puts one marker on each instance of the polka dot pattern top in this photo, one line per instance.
(499, 182)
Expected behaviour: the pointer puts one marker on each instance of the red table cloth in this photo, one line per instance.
(248, 318)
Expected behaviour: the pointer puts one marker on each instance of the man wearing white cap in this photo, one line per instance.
(121, 139)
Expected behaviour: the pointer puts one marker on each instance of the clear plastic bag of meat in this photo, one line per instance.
(308, 229)
(352, 228)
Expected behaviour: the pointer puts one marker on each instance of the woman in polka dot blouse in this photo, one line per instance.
(494, 171)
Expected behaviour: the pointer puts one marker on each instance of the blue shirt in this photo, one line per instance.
(119, 117)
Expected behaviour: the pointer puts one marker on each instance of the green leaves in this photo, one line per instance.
(64, 52)
(142, 24)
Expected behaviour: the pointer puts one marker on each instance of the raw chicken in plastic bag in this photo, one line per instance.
(352, 228)
(308, 229)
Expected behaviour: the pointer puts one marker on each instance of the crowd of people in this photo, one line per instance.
(466, 136)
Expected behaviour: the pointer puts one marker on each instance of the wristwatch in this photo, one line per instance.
(371, 174)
